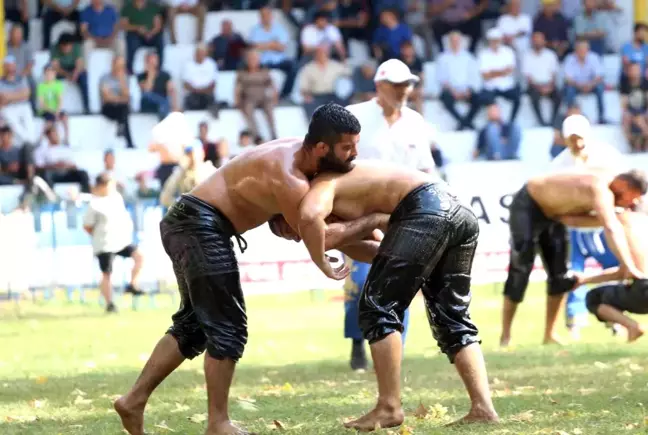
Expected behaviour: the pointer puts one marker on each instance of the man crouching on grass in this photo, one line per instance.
(608, 301)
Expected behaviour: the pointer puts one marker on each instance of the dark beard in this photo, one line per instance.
(330, 163)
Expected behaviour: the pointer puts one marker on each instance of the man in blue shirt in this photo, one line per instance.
(99, 28)
(390, 35)
(635, 51)
(271, 40)
(584, 75)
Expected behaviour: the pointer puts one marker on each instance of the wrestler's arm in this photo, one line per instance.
(607, 275)
(362, 250)
(614, 231)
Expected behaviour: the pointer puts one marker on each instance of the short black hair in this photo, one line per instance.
(102, 179)
(328, 123)
(636, 179)
(639, 26)
(245, 133)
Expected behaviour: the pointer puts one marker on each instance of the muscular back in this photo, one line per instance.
(372, 187)
(245, 189)
(568, 193)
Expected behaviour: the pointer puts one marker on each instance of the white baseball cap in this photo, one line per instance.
(394, 71)
(576, 125)
(494, 33)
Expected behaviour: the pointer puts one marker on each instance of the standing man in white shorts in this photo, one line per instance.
(391, 132)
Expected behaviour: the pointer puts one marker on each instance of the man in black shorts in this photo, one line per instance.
(196, 234)
(572, 198)
(608, 301)
(429, 244)
(110, 226)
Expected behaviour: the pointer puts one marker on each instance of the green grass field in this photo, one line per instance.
(62, 365)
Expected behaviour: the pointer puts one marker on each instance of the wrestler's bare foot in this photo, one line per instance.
(505, 341)
(379, 418)
(477, 415)
(226, 428)
(554, 339)
(635, 333)
(131, 414)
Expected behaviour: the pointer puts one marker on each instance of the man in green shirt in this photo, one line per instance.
(67, 60)
(142, 21)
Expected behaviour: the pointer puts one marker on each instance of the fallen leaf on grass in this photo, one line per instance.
(41, 380)
(577, 431)
(496, 381)
(199, 388)
(405, 430)
(600, 365)
(78, 392)
(586, 391)
(562, 352)
(197, 418)
(523, 416)
(248, 406)
(629, 426)
(20, 418)
(421, 412)
(561, 432)
(635, 367)
(163, 425)
(626, 374)
(279, 425)
(37, 403)
(547, 392)
(179, 407)
(552, 401)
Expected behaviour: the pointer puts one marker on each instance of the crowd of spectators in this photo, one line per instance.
(485, 50)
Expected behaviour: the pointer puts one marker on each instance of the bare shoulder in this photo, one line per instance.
(281, 170)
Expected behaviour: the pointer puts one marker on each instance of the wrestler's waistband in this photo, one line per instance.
(428, 198)
(189, 206)
(523, 199)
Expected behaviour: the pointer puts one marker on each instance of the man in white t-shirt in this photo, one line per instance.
(497, 66)
(583, 151)
(391, 132)
(321, 32)
(516, 27)
(199, 80)
(540, 67)
(111, 229)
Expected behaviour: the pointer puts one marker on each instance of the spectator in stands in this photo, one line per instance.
(516, 27)
(49, 94)
(115, 98)
(255, 89)
(421, 25)
(461, 15)
(329, 7)
(245, 142)
(110, 168)
(498, 67)
(59, 10)
(213, 151)
(554, 26)
(54, 161)
(409, 58)
(318, 34)
(193, 7)
(111, 228)
(271, 40)
(455, 69)
(364, 88)
(590, 26)
(15, 107)
(390, 36)
(227, 48)
(67, 60)
(498, 140)
(192, 171)
(318, 80)
(559, 143)
(158, 92)
(19, 49)
(352, 20)
(199, 80)
(635, 51)
(142, 21)
(540, 68)
(100, 28)
(17, 12)
(583, 72)
(634, 107)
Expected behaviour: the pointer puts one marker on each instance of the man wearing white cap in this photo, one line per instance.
(497, 66)
(391, 132)
(582, 151)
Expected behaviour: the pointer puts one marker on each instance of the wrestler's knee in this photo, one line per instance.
(376, 320)
(594, 299)
(561, 283)
(227, 344)
(190, 338)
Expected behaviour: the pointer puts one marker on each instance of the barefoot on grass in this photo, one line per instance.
(635, 333)
(476, 417)
(226, 428)
(554, 339)
(132, 417)
(377, 419)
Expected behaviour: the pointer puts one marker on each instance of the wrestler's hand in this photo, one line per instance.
(578, 279)
(337, 273)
